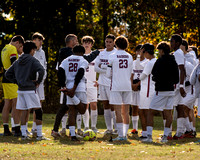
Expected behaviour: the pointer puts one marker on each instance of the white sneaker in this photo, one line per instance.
(42, 138)
(164, 139)
(108, 132)
(148, 139)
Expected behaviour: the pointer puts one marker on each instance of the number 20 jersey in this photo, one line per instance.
(122, 66)
(71, 65)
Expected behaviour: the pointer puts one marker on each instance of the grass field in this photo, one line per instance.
(15, 148)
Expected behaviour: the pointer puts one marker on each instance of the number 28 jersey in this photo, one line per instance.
(71, 65)
(122, 65)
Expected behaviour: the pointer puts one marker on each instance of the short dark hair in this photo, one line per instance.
(148, 48)
(138, 47)
(177, 38)
(38, 35)
(185, 43)
(111, 36)
(164, 46)
(69, 37)
(121, 42)
(18, 38)
(78, 49)
(87, 39)
(28, 46)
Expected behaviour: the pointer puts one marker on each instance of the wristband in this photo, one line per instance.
(181, 86)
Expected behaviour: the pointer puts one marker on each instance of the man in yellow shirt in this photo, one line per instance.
(8, 55)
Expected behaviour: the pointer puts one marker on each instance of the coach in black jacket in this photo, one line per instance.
(165, 74)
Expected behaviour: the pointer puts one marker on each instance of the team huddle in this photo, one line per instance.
(169, 83)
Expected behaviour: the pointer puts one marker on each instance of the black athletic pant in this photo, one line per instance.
(61, 112)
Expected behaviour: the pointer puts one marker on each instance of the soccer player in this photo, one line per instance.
(147, 87)
(70, 41)
(38, 39)
(8, 55)
(120, 65)
(189, 99)
(104, 82)
(176, 41)
(165, 74)
(138, 66)
(72, 71)
(23, 72)
(90, 74)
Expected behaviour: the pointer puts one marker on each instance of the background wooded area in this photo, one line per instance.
(141, 21)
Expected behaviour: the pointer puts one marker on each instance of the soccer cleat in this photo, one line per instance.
(55, 134)
(148, 139)
(86, 128)
(39, 138)
(142, 137)
(119, 139)
(134, 131)
(34, 133)
(188, 134)
(95, 129)
(26, 138)
(175, 137)
(28, 133)
(194, 134)
(79, 132)
(108, 132)
(115, 132)
(164, 139)
(7, 134)
(63, 132)
(75, 139)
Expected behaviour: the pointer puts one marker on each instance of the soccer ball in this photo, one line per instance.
(89, 135)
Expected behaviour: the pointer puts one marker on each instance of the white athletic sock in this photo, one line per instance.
(39, 130)
(125, 129)
(86, 118)
(149, 130)
(135, 122)
(166, 131)
(144, 133)
(194, 128)
(78, 121)
(23, 130)
(114, 119)
(164, 122)
(180, 127)
(120, 129)
(94, 116)
(34, 126)
(72, 130)
(75, 100)
(27, 126)
(191, 125)
(187, 124)
(12, 122)
(107, 116)
(64, 121)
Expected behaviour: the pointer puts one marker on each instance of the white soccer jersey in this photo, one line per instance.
(147, 85)
(90, 75)
(40, 55)
(122, 65)
(71, 65)
(103, 60)
(138, 67)
(180, 60)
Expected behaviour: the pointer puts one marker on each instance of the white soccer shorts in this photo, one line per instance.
(104, 93)
(27, 100)
(178, 99)
(135, 98)
(91, 94)
(40, 91)
(80, 95)
(119, 98)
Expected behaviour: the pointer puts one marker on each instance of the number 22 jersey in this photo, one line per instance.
(122, 65)
(71, 66)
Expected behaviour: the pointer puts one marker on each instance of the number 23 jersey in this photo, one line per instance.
(122, 65)
(71, 66)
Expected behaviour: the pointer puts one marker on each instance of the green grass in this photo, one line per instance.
(15, 148)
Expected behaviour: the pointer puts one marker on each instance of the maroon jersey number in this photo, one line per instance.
(123, 63)
(73, 67)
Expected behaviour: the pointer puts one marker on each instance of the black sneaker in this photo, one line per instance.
(7, 134)
(74, 138)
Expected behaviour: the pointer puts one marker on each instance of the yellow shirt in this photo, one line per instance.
(7, 53)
